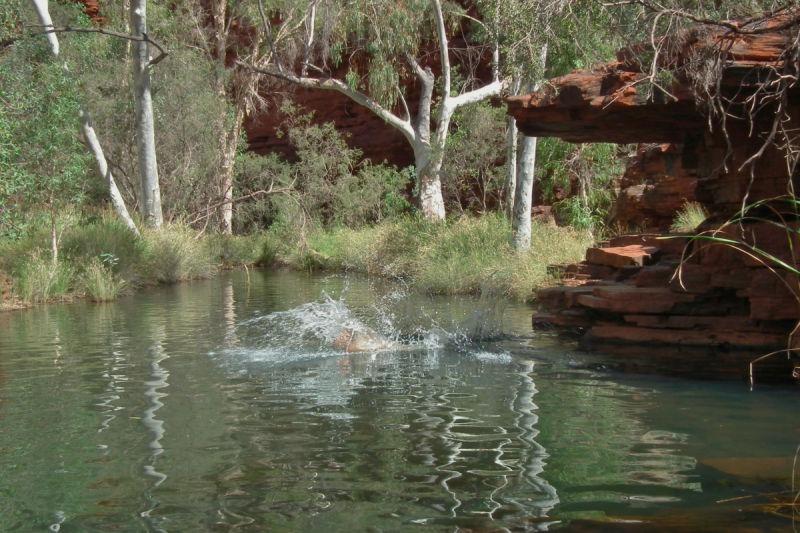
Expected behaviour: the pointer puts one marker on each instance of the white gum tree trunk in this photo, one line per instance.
(511, 156)
(89, 134)
(523, 197)
(511, 166)
(150, 200)
(229, 139)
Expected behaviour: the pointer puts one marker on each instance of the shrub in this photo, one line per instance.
(327, 185)
(594, 170)
(107, 238)
(471, 177)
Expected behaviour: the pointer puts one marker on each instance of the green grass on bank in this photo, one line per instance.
(99, 258)
(460, 257)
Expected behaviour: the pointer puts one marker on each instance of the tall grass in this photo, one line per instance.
(38, 279)
(100, 283)
(173, 254)
(100, 259)
(459, 257)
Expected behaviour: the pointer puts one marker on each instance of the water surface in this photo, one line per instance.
(222, 405)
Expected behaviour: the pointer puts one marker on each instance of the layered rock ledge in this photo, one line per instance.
(661, 289)
(635, 289)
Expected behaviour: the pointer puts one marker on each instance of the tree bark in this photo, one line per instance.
(511, 166)
(229, 137)
(523, 197)
(89, 134)
(231, 143)
(511, 156)
(150, 191)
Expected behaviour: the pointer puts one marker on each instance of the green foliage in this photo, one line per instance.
(471, 177)
(688, 218)
(41, 160)
(190, 119)
(372, 193)
(100, 258)
(579, 180)
(108, 240)
(375, 35)
(100, 282)
(258, 248)
(328, 183)
(176, 255)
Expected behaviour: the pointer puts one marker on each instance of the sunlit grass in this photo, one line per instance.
(688, 218)
(100, 283)
(460, 257)
(100, 259)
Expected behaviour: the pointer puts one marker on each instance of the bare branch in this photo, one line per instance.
(264, 192)
(143, 39)
(396, 122)
(443, 49)
(269, 35)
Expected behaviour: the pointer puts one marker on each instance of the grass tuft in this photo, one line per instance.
(100, 282)
(173, 254)
(38, 279)
(691, 215)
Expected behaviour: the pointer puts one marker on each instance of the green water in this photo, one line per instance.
(197, 408)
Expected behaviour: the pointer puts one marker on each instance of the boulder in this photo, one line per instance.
(620, 256)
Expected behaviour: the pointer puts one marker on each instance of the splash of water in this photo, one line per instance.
(316, 329)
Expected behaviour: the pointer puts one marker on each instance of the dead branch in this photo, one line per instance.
(264, 192)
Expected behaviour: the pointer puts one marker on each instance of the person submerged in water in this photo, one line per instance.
(479, 326)
(364, 340)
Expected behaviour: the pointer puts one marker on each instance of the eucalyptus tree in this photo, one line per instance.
(150, 191)
(43, 13)
(384, 44)
(221, 30)
(542, 38)
(526, 30)
(214, 37)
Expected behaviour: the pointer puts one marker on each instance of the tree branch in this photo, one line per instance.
(734, 26)
(443, 49)
(209, 208)
(269, 35)
(143, 39)
(337, 85)
(478, 95)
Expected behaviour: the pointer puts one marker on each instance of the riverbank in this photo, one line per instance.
(96, 257)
